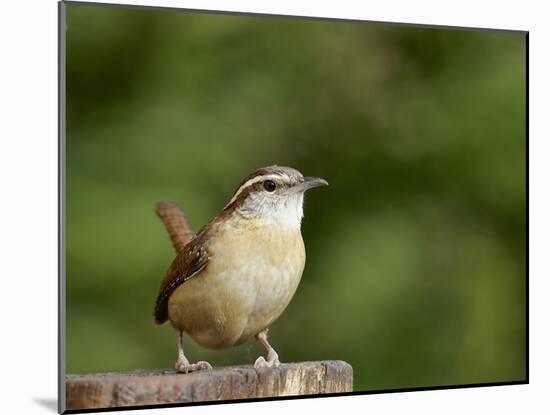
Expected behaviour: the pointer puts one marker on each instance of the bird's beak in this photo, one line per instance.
(310, 183)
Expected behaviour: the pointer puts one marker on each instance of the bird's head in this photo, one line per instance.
(273, 194)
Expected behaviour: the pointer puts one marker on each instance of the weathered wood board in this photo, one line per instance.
(237, 382)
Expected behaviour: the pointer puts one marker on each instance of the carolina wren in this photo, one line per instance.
(235, 277)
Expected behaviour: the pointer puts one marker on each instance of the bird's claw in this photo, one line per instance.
(186, 367)
(261, 363)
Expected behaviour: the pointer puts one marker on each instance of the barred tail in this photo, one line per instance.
(176, 224)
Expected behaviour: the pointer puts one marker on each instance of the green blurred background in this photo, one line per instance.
(416, 252)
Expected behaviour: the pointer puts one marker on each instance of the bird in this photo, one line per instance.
(231, 280)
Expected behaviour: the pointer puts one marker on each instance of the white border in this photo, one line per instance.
(28, 207)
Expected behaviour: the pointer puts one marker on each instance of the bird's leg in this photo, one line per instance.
(182, 364)
(272, 356)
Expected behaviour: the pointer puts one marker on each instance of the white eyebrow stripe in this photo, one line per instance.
(251, 182)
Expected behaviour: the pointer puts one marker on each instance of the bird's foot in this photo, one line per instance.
(272, 361)
(184, 366)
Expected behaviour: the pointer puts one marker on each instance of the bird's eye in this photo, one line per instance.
(269, 185)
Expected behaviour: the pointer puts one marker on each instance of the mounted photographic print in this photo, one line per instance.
(260, 206)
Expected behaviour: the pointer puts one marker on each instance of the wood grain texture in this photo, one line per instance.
(237, 382)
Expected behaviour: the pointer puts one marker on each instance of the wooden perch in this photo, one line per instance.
(237, 382)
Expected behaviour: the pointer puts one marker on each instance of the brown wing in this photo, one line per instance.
(187, 264)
